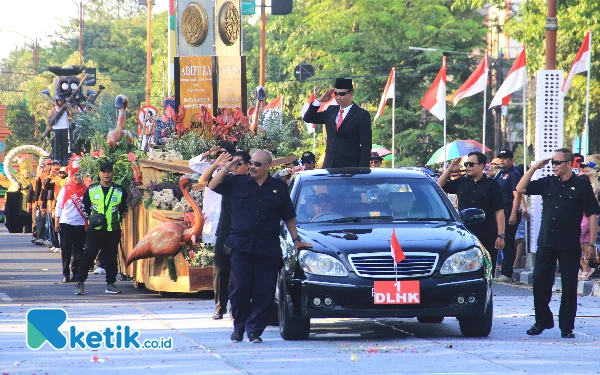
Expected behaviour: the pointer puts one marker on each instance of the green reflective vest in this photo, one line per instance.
(111, 211)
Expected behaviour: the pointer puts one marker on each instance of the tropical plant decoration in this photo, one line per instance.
(189, 144)
(199, 254)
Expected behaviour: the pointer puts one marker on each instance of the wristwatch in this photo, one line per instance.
(297, 239)
(503, 236)
(593, 244)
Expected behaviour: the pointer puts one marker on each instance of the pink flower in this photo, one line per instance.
(191, 254)
(131, 157)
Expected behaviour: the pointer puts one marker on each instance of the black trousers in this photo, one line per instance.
(72, 239)
(543, 280)
(60, 146)
(252, 290)
(221, 276)
(509, 251)
(490, 246)
(108, 242)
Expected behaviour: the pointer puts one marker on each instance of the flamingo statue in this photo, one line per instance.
(116, 135)
(166, 239)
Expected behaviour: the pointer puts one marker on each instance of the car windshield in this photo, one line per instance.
(360, 199)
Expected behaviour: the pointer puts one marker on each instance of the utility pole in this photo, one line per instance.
(149, 53)
(498, 123)
(262, 59)
(551, 28)
(81, 33)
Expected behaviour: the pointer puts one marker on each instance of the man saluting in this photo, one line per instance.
(348, 126)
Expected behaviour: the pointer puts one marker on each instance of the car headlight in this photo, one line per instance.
(321, 264)
(464, 261)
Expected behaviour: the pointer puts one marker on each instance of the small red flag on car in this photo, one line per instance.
(397, 252)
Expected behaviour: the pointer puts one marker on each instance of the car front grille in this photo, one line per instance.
(381, 265)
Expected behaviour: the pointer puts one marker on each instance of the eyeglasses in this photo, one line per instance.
(559, 162)
(258, 163)
(240, 163)
(341, 93)
(470, 164)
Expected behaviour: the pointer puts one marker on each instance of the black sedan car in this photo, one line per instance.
(350, 216)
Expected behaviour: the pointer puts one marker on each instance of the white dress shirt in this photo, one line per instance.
(211, 205)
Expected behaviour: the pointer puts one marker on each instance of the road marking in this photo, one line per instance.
(4, 297)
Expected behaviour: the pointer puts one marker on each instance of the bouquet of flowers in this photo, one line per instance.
(200, 254)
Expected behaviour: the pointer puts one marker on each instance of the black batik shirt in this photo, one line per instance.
(256, 213)
(565, 203)
(484, 194)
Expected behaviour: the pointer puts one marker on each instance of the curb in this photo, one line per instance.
(584, 288)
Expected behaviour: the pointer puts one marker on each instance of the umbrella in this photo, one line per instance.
(380, 150)
(455, 149)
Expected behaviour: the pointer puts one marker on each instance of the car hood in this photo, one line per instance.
(438, 237)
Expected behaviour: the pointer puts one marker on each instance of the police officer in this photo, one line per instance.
(566, 199)
(508, 178)
(476, 190)
(258, 204)
(110, 200)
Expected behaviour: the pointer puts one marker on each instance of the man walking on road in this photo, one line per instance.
(508, 178)
(258, 204)
(476, 190)
(349, 135)
(105, 205)
(566, 198)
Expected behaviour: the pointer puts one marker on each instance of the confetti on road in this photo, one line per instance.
(354, 358)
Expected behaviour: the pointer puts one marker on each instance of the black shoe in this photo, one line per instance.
(536, 329)
(66, 280)
(254, 338)
(237, 336)
(217, 316)
(567, 334)
(74, 279)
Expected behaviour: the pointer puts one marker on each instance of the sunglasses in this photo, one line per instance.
(559, 162)
(240, 163)
(258, 163)
(470, 164)
(341, 93)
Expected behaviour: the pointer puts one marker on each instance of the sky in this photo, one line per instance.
(35, 19)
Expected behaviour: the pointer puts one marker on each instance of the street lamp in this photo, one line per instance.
(35, 47)
(80, 12)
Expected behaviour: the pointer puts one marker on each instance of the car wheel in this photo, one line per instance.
(290, 328)
(478, 326)
(430, 319)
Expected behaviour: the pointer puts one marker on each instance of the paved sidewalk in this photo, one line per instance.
(584, 288)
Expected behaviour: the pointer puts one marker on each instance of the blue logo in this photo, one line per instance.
(43, 326)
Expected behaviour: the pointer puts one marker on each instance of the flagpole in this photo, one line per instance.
(314, 140)
(394, 119)
(445, 150)
(484, 102)
(587, 98)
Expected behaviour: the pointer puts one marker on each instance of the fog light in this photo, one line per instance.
(328, 302)
(471, 299)
(317, 301)
(460, 300)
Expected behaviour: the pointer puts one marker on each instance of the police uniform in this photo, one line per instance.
(508, 180)
(565, 203)
(483, 194)
(112, 203)
(256, 213)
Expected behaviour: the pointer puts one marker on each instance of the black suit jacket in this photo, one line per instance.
(350, 145)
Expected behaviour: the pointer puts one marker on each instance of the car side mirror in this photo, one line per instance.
(472, 215)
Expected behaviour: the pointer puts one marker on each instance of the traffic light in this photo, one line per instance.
(281, 7)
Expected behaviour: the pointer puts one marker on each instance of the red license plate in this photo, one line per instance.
(397, 292)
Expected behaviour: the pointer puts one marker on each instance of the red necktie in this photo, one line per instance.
(340, 119)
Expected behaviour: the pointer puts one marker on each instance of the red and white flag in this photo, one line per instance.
(325, 105)
(309, 127)
(274, 104)
(581, 63)
(397, 252)
(476, 83)
(516, 79)
(388, 93)
(435, 98)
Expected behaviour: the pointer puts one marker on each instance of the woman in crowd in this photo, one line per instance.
(71, 223)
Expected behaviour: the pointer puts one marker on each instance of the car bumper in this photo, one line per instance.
(353, 298)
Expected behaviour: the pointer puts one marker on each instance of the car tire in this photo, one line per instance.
(430, 319)
(478, 326)
(290, 328)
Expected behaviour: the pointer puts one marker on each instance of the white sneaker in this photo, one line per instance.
(99, 271)
(56, 249)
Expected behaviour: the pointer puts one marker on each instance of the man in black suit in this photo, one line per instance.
(348, 126)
